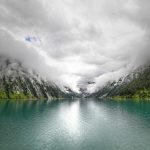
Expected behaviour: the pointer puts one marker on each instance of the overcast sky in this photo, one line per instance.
(73, 42)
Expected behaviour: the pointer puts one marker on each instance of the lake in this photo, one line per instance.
(81, 124)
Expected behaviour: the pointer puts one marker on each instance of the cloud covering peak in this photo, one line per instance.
(74, 41)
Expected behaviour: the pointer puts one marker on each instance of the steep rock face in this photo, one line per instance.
(70, 93)
(17, 82)
(134, 85)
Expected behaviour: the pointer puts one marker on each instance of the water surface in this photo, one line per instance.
(74, 125)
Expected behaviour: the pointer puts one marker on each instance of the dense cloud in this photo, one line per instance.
(74, 41)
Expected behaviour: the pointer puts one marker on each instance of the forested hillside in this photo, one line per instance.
(135, 85)
(16, 82)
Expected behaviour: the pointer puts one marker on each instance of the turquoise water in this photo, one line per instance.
(74, 125)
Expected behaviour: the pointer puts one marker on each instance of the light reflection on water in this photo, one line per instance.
(74, 125)
(70, 119)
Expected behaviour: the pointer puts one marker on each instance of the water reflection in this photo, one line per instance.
(74, 125)
(70, 118)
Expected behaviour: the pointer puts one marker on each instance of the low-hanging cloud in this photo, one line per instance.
(73, 42)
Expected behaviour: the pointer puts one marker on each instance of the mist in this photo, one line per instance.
(73, 42)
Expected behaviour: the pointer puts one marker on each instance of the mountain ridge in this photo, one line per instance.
(135, 85)
(18, 82)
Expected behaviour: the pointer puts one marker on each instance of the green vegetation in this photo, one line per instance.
(139, 95)
(134, 86)
(17, 82)
(3, 95)
(16, 95)
(22, 87)
(142, 94)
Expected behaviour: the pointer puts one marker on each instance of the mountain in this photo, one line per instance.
(17, 82)
(135, 85)
(70, 93)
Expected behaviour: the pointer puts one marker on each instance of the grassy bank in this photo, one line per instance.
(16, 95)
(20, 96)
(139, 95)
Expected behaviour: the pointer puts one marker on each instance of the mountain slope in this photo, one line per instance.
(134, 85)
(16, 82)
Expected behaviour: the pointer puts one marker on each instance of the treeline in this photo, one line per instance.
(136, 85)
(22, 87)
(17, 82)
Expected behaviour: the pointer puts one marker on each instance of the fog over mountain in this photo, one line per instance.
(74, 42)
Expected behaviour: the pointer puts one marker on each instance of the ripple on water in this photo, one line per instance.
(74, 125)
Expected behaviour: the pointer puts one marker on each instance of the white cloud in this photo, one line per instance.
(75, 41)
